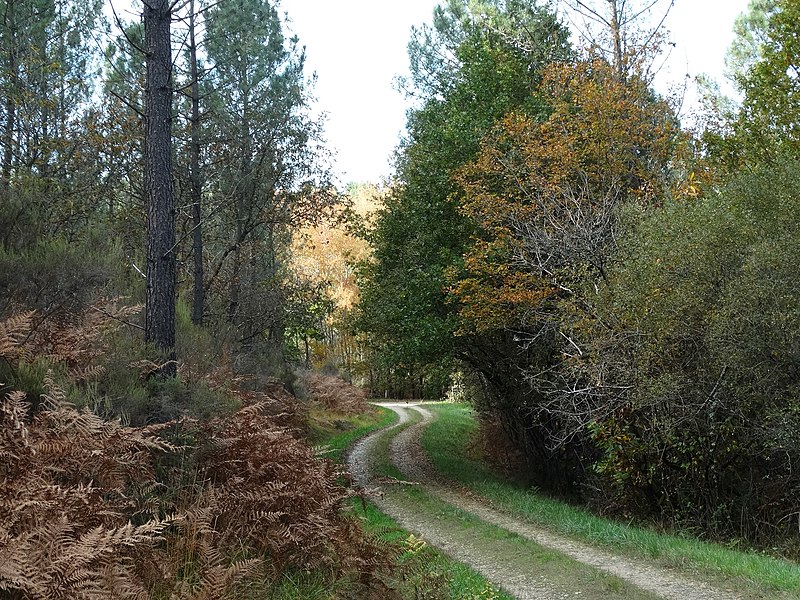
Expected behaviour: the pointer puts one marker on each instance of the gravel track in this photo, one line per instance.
(515, 576)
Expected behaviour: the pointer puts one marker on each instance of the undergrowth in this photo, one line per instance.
(187, 509)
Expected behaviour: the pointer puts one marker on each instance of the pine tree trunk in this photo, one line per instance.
(9, 23)
(159, 187)
(198, 296)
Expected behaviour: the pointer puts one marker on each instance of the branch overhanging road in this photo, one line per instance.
(517, 577)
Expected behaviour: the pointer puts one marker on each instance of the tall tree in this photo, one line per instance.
(195, 175)
(271, 173)
(48, 114)
(159, 185)
(770, 115)
(763, 62)
(476, 62)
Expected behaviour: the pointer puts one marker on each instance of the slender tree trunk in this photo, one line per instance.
(10, 99)
(159, 186)
(616, 33)
(198, 296)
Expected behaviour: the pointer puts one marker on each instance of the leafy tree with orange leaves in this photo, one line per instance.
(547, 198)
(547, 195)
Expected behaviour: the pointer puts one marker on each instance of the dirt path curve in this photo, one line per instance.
(409, 457)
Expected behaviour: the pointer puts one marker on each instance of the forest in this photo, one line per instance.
(617, 292)
(184, 285)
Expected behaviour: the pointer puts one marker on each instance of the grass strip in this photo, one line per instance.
(449, 442)
(563, 572)
(422, 571)
(335, 432)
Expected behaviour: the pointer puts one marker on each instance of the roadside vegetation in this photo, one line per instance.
(614, 291)
(453, 442)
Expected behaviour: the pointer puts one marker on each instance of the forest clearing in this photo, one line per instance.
(214, 354)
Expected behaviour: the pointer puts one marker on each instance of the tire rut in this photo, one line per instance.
(408, 455)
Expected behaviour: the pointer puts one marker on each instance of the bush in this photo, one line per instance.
(699, 361)
(334, 393)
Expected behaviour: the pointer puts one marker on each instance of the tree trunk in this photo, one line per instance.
(10, 99)
(616, 33)
(159, 186)
(198, 296)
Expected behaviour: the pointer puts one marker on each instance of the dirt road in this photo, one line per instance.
(502, 563)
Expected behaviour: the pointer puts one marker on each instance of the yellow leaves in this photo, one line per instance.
(495, 295)
(554, 186)
(327, 252)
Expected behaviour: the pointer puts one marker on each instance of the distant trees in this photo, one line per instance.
(46, 137)
(269, 173)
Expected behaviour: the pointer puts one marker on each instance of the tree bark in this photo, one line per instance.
(10, 25)
(616, 34)
(198, 295)
(159, 186)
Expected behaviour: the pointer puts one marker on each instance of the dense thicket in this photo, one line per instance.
(698, 357)
(625, 293)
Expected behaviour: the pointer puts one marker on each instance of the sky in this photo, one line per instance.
(358, 47)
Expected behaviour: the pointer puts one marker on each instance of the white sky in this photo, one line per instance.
(358, 47)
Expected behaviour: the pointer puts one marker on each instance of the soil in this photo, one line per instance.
(504, 567)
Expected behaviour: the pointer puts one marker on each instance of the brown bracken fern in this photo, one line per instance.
(92, 509)
(65, 508)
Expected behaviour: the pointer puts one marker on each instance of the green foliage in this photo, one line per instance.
(750, 36)
(421, 234)
(701, 365)
(766, 69)
(56, 276)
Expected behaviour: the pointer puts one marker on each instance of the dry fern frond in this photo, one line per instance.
(74, 340)
(70, 481)
(13, 333)
(335, 393)
(218, 582)
(13, 412)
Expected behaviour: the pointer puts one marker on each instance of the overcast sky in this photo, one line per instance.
(358, 47)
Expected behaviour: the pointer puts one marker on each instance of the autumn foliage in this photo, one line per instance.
(546, 194)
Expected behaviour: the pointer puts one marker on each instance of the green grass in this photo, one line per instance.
(421, 571)
(565, 573)
(449, 443)
(336, 432)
